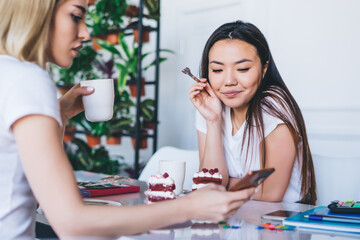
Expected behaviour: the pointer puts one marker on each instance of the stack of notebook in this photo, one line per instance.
(323, 218)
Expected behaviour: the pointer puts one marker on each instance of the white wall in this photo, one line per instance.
(315, 44)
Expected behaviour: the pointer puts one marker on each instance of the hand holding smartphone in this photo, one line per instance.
(252, 179)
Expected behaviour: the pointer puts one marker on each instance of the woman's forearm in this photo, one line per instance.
(213, 154)
(117, 221)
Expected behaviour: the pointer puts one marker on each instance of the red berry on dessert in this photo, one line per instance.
(206, 176)
(161, 188)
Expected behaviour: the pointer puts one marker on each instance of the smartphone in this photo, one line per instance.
(252, 179)
(279, 215)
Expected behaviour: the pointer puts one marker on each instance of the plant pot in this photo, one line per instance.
(143, 141)
(113, 140)
(113, 38)
(132, 11)
(91, 2)
(149, 125)
(133, 88)
(145, 35)
(95, 45)
(93, 141)
(69, 133)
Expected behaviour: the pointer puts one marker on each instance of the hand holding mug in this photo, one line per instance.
(99, 106)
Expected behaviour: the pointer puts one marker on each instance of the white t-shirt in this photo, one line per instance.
(236, 159)
(25, 89)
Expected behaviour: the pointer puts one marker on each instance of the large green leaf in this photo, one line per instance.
(109, 47)
(123, 76)
(124, 45)
(162, 59)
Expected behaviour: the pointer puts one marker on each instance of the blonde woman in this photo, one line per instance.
(33, 164)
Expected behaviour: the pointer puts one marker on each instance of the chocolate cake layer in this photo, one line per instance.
(200, 180)
(161, 187)
(158, 198)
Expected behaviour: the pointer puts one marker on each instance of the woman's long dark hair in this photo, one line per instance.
(273, 97)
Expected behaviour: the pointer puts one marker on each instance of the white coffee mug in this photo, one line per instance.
(176, 171)
(99, 106)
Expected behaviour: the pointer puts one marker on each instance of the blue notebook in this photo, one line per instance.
(300, 220)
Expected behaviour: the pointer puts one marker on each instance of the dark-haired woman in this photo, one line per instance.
(247, 119)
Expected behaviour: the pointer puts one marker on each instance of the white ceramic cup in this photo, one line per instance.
(99, 106)
(176, 171)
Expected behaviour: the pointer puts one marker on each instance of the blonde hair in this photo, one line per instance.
(25, 28)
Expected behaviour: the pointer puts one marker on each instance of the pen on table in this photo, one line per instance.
(332, 218)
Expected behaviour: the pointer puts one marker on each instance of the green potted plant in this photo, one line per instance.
(84, 63)
(145, 31)
(106, 67)
(143, 139)
(122, 121)
(83, 157)
(72, 126)
(69, 133)
(64, 78)
(147, 113)
(105, 20)
(81, 69)
(116, 127)
(151, 12)
(93, 130)
(126, 59)
(147, 110)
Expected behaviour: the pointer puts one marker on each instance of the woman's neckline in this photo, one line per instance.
(235, 125)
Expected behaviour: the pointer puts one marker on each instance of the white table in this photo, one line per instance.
(248, 217)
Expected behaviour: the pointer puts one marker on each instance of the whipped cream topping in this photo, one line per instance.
(207, 174)
(160, 194)
(159, 179)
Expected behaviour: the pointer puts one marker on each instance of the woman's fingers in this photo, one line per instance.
(234, 200)
(198, 86)
(195, 90)
(71, 102)
(219, 203)
(207, 86)
(244, 194)
(79, 91)
(85, 90)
